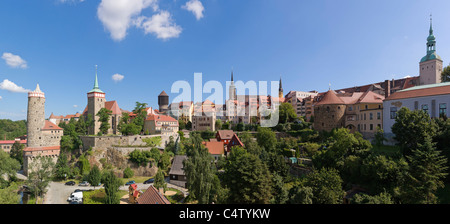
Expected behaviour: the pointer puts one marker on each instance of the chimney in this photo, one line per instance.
(387, 89)
(161, 190)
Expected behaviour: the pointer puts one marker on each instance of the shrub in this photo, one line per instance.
(128, 173)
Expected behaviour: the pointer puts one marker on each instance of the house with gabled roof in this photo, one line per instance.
(152, 196)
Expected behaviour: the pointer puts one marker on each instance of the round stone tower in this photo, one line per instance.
(35, 117)
(163, 102)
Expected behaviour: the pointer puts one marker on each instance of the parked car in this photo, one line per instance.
(78, 190)
(71, 183)
(130, 182)
(75, 196)
(84, 183)
(149, 181)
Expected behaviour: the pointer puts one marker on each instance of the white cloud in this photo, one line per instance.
(117, 77)
(160, 24)
(75, 106)
(117, 15)
(1, 97)
(196, 7)
(12, 87)
(14, 60)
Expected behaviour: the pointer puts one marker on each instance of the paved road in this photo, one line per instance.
(57, 193)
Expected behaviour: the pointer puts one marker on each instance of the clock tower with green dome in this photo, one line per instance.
(431, 64)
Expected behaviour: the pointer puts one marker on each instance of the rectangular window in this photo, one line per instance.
(371, 116)
(371, 127)
(393, 112)
(425, 108)
(442, 109)
(378, 115)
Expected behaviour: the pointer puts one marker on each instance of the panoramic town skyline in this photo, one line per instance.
(149, 45)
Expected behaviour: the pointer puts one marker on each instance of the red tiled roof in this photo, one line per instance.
(330, 97)
(113, 106)
(215, 148)
(225, 134)
(50, 126)
(371, 97)
(152, 196)
(154, 117)
(12, 142)
(233, 142)
(29, 149)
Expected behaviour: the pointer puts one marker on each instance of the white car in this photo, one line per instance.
(76, 196)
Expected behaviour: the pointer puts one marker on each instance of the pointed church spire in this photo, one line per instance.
(96, 88)
(431, 24)
(281, 85)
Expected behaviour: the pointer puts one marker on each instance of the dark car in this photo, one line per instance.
(71, 183)
(149, 181)
(130, 182)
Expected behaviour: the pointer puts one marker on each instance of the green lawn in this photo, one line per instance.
(98, 196)
(175, 199)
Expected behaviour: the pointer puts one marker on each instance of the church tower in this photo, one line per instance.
(232, 89)
(35, 117)
(280, 90)
(96, 101)
(431, 64)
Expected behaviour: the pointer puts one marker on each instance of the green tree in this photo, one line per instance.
(247, 178)
(199, 172)
(84, 165)
(141, 115)
(17, 151)
(9, 194)
(12, 129)
(189, 125)
(427, 171)
(218, 124)
(8, 165)
(382, 198)
(412, 128)
(111, 184)
(266, 138)
(164, 160)
(39, 176)
(104, 115)
(139, 157)
(128, 173)
(181, 124)
(326, 185)
(159, 181)
(280, 192)
(379, 137)
(81, 126)
(94, 177)
(301, 195)
(287, 113)
(445, 75)
(62, 169)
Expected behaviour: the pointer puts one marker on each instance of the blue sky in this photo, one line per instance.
(154, 43)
